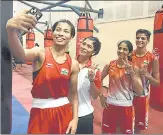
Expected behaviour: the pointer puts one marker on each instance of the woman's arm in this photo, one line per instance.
(95, 85)
(155, 77)
(136, 81)
(19, 23)
(105, 71)
(73, 97)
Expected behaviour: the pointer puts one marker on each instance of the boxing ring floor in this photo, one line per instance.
(21, 104)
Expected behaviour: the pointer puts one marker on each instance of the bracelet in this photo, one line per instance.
(91, 80)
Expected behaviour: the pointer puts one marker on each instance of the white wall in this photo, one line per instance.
(112, 30)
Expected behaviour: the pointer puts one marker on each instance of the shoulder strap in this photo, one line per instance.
(69, 59)
(48, 54)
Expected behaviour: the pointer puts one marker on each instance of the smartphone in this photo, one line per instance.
(36, 13)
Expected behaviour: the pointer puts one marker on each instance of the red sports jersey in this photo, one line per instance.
(140, 61)
(53, 78)
(120, 86)
(141, 104)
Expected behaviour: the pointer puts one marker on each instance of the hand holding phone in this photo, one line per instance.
(36, 13)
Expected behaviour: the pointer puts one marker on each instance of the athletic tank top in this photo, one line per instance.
(120, 87)
(139, 61)
(52, 81)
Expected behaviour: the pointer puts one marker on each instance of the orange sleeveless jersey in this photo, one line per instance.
(139, 61)
(120, 86)
(52, 81)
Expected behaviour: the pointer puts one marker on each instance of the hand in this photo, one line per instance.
(128, 67)
(155, 51)
(72, 126)
(91, 72)
(103, 101)
(22, 22)
(143, 71)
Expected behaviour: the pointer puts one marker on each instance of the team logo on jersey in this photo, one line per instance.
(105, 125)
(49, 65)
(64, 71)
(129, 131)
(146, 62)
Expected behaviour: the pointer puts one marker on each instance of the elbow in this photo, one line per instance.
(23, 59)
(157, 83)
(19, 56)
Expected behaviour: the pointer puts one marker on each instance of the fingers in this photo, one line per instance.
(27, 21)
(105, 105)
(125, 63)
(73, 131)
(90, 71)
(142, 71)
(30, 18)
(103, 101)
(155, 50)
(91, 74)
(68, 129)
(94, 66)
(25, 11)
(27, 25)
(145, 66)
(22, 22)
(126, 58)
(23, 29)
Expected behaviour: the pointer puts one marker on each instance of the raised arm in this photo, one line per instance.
(136, 81)
(104, 71)
(155, 78)
(94, 75)
(15, 24)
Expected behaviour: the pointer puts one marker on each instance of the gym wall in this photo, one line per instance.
(121, 20)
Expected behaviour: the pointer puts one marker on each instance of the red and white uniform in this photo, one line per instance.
(141, 103)
(84, 96)
(51, 111)
(120, 97)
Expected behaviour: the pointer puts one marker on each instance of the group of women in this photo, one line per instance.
(63, 87)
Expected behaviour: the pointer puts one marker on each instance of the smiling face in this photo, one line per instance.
(141, 40)
(87, 48)
(123, 50)
(62, 34)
